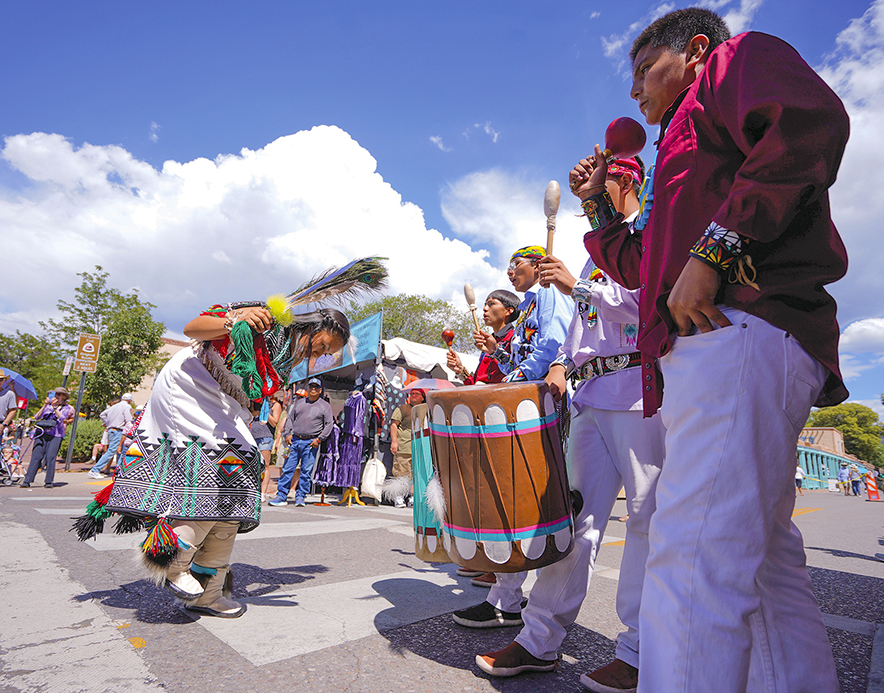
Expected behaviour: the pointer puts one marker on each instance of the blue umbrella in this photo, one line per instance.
(20, 384)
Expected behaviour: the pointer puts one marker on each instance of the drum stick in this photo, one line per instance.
(550, 207)
(470, 295)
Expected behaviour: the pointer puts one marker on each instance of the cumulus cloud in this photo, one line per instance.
(243, 226)
(863, 336)
(502, 211)
(855, 70)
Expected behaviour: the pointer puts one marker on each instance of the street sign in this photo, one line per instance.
(68, 362)
(86, 360)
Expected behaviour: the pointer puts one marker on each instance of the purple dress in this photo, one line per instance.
(349, 467)
(327, 466)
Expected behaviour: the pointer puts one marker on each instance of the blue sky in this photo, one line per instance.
(206, 152)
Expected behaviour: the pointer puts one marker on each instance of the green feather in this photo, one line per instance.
(364, 275)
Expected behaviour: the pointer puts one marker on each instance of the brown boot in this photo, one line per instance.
(179, 580)
(212, 567)
(616, 677)
(512, 661)
(214, 601)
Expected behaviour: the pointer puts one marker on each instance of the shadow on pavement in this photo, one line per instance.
(152, 604)
(441, 640)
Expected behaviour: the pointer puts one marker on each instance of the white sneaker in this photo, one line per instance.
(97, 475)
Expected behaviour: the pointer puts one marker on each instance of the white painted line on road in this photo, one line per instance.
(51, 640)
(266, 530)
(328, 615)
(56, 499)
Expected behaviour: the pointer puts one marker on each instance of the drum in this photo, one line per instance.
(427, 529)
(499, 457)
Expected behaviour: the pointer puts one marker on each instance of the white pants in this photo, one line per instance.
(607, 450)
(727, 603)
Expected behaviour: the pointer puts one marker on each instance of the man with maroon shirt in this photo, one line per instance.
(735, 245)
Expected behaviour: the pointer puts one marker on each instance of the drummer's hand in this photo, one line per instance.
(453, 361)
(553, 271)
(555, 380)
(589, 175)
(484, 342)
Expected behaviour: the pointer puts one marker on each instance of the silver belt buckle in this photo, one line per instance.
(617, 363)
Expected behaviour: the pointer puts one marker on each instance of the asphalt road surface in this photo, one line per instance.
(337, 601)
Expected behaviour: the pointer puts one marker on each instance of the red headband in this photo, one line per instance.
(628, 166)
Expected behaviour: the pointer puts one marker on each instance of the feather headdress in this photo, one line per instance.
(364, 275)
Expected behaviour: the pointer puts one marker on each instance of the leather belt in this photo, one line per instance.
(602, 365)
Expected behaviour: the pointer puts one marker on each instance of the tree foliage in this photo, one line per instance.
(36, 358)
(859, 425)
(130, 337)
(419, 319)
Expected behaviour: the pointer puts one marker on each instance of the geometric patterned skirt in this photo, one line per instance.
(198, 460)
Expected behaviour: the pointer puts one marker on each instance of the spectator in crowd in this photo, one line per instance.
(115, 418)
(56, 415)
(309, 423)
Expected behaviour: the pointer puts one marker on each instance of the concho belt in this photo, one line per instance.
(602, 365)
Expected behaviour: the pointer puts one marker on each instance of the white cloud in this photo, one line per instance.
(503, 212)
(595, 15)
(616, 46)
(855, 70)
(240, 227)
(853, 367)
(863, 336)
(154, 132)
(482, 127)
(489, 131)
(435, 139)
(873, 404)
(738, 19)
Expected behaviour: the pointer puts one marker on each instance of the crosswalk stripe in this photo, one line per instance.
(266, 530)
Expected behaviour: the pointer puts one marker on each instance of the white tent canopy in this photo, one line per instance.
(423, 357)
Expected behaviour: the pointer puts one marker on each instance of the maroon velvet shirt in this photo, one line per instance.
(488, 370)
(753, 144)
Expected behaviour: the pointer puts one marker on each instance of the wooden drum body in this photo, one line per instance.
(499, 456)
(427, 529)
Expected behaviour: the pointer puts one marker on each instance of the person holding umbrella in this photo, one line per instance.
(8, 401)
(57, 415)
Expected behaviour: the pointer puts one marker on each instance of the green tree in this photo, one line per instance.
(36, 358)
(860, 426)
(130, 337)
(419, 319)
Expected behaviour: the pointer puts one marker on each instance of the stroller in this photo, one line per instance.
(10, 464)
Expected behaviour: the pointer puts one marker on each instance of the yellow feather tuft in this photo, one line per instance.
(279, 309)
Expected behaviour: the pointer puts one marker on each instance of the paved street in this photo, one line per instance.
(338, 602)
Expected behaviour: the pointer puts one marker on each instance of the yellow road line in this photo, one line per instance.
(804, 511)
(615, 543)
(137, 643)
